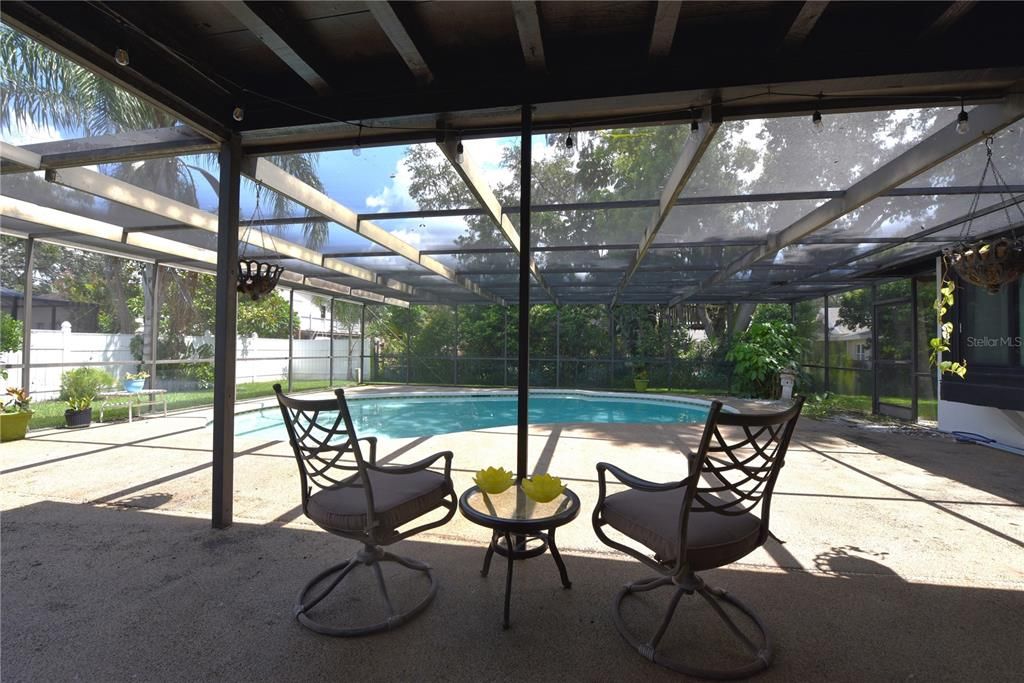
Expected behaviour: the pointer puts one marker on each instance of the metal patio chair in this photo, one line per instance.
(355, 498)
(712, 518)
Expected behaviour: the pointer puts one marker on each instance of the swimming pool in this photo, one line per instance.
(398, 416)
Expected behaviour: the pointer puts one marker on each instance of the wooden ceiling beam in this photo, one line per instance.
(527, 15)
(400, 38)
(803, 24)
(663, 34)
(279, 33)
(954, 13)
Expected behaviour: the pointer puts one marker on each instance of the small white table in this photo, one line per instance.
(116, 399)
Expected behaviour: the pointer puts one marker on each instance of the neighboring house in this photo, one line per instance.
(315, 318)
(49, 311)
(847, 347)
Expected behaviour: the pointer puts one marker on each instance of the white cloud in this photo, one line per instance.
(395, 195)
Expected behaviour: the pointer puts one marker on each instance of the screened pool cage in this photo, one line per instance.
(640, 237)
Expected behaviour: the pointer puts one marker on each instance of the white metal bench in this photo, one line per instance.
(132, 399)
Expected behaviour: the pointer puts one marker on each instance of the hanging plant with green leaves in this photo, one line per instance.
(938, 345)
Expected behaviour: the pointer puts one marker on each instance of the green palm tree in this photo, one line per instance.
(39, 87)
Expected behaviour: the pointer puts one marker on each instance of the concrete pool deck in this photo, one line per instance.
(904, 558)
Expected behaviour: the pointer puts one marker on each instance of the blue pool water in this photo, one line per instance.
(429, 416)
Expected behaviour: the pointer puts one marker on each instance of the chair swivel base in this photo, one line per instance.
(761, 653)
(370, 556)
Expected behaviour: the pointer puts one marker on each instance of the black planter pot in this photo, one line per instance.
(78, 418)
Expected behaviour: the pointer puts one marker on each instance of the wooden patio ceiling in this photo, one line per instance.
(318, 75)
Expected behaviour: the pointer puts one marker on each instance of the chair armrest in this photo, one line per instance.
(418, 465)
(634, 482)
(372, 440)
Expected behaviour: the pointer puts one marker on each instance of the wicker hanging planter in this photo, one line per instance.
(994, 262)
(988, 264)
(256, 278)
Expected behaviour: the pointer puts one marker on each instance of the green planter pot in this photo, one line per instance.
(641, 384)
(14, 425)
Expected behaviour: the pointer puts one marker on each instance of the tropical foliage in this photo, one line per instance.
(761, 353)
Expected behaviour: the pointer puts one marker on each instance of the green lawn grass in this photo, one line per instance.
(51, 413)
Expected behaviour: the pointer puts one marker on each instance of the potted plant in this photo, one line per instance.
(134, 382)
(15, 416)
(79, 412)
(640, 379)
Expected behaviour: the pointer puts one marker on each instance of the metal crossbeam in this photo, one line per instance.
(474, 180)
(126, 146)
(171, 252)
(693, 150)
(106, 187)
(28, 160)
(267, 174)
(933, 150)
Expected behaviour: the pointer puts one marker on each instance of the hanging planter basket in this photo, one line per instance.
(988, 264)
(256, 278)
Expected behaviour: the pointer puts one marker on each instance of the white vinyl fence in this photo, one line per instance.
(54, 352)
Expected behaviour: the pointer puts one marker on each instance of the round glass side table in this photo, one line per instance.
(520, 527)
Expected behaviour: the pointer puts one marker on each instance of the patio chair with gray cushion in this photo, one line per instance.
(712, 518)
(355, 498)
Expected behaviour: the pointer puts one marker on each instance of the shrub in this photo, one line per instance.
(10, 333)
(82, 382)
(760, 353)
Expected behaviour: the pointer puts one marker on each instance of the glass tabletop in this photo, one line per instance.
(513, 505)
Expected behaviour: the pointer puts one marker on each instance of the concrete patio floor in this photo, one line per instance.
(903, 559)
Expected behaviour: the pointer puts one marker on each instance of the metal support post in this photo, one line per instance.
(26, 328)
(558, 346)
(523, 414)
(827, 363)
(291, 333)
(408, 355)
(455, 349)
(330, 363)
(504, 353)
(225, 328)
(154, 323)
(611, 347)
(362, 341)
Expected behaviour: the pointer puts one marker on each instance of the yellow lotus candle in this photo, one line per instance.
(543, 488)
(494, 480)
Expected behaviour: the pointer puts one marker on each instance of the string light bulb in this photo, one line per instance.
(358, 149)
(569, 142)
(238, 114)
(694, 126)
(460, 153)
(963, 126)
(121, 56)
(816, 121)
